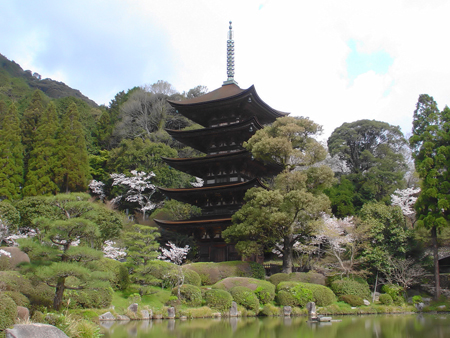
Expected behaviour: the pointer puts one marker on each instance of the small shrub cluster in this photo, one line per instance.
(245, 297)
(191, 295)
(8, 311)
(300, 295)
(352, 300)
(97, 298)
(396, 292)
(386, 299)
(192, 277)
(270, 310)
(218, 299)
(277, 278)
(348, 286)
(307, 292)
(264, 290)
(307, 277)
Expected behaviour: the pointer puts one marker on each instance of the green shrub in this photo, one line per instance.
(396, 292)
(192, 277)
(245, 297)
(307, 292)
(270, 310)
(257, 270)
(118, 272)
(191, 295)
(307, 277)
(301, 293)
(277, 278)
(18, 298)
(386, 299)
(96, 298)
(286, 298)
(352, 300)
(37, 317)
(417, 299)
(159, 273)
(348, 286)
(218, 299)
(8, 311)
(264, 290)
(210, 273)
(322, 295)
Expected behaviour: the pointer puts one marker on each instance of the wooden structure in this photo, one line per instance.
(230, 116)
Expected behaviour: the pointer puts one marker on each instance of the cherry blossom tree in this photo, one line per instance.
(138, 189)
(175, 255)
(406, 199)
(97, 188)
(198, 183)
(111, 250)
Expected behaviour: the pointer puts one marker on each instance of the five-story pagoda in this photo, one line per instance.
(230, 116)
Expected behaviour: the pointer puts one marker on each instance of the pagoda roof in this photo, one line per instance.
(194, 223)
(195, 166)
(230, 96)
(200, 138)
(191, 195)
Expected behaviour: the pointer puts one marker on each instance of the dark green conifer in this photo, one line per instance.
(11, 155)
(40, 178)
(30, 121)
(73, 172)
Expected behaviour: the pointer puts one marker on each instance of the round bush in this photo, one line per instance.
(322, 295)
(346, 286)
(264, 290)
(299, 291)
(396, 292)
(245, 297)
(352, 300)
(191, 277)
(160, 273)
(97, 298)
(386, 299)
(18, 298)
(285, 298)
(218, 299)
(307, 292)
(191, 295)
(277, 278)
(307, 277)
(8, 311)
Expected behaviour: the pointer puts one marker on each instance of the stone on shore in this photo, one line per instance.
(106, 316)
(35, 330)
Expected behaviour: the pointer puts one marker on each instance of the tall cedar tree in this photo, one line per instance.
(430, 144)
(42, 165)
(29, 123)
(73, 172)
(11, 155)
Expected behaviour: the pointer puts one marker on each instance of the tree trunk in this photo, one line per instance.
(436, 262)
(287, 255)
(60, 287)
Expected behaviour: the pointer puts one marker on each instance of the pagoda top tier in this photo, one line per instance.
(226, 105)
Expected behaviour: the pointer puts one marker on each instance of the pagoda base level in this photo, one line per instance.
(217, 252)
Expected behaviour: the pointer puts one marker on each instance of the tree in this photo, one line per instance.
(175, 255)
(405, 199)
(73, 172)
(65, 240)
(30, 121)
(373, 152)
(43, 164)
(11, 155)
(430, 144)
(287, 213)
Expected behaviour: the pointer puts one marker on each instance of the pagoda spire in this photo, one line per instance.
(230, 58)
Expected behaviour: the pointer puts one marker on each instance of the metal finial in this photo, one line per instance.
(230, 57)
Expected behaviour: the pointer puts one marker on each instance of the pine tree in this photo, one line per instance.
(73, 172)
(11, 155)
(40, 178)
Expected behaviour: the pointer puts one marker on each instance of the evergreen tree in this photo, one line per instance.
(11, 155)
(30, 121)
(40, 178)
(73, 172)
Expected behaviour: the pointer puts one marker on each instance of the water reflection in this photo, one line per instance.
(382, 326)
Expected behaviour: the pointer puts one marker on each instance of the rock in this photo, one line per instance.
(287, 310)
(35, 331)
(157, 316)
(366, 302)
(145, 314)
(122, 318)
(441, 307)
(311, 307)
(233, 309)
(324, 319)
(17, 255)
(183, 318)
(106, 316)
(133, 307)
(171, 312)
(23, 313)
(420, 306)
(217, 314)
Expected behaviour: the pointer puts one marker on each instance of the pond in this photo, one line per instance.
(368, 326)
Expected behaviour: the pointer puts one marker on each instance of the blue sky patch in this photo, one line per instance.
(359, 62)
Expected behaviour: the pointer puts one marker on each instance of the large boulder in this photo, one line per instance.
(35, 331)
(17, 255)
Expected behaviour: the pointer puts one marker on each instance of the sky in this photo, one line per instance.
(331, 61)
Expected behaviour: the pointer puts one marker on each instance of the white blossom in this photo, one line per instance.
(110, 250)
(198, 183)
(97, 188)
(5, 253)
(175, 254)
(405, 199)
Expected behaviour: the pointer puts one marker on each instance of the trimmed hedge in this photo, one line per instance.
(210, 273)
(347, 286)
(277, 278)
(191, 295)
(245, 297)
(218, 299)
(299, 292)
(18, 298)
(191, 277)
(308, 277)
(8, 311)
(265, 291)
(352, 300)
(386, 299)
(307, 292)
(96, 298)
